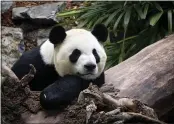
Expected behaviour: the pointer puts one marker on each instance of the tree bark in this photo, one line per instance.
(148, 76)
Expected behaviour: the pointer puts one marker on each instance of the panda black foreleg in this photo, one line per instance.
(62, 92)
(65, 90)
(100, 80)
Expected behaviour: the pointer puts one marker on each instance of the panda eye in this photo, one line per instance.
(75, 55)
(96, 55)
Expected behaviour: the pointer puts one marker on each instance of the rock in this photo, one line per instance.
(41, 15)
(149, 77)
(6, 5)
(37, 36)
(20, 12)
(11, 39)
(42, 35)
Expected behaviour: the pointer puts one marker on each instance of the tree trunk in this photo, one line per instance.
(148, 76)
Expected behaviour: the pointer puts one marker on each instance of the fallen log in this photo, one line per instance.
(148, 76)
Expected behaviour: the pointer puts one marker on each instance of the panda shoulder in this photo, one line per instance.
(47, 52)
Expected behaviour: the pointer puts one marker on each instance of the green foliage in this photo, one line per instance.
(154, 19)
(140, 23)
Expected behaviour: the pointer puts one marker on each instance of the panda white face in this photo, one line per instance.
(76, 52)
(80, 54)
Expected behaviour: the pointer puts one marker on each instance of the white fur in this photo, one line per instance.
(76, 39)
(84, 41)
(47, 51)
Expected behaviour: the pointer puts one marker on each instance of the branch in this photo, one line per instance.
(89, 110)
(119, 102)
(122, 109)
(28, 77)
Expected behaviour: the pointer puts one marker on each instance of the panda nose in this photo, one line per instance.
(90, 67)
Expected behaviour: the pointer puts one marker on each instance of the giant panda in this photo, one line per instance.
(66, 60)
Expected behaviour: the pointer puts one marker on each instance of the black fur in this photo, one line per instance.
(100, 80)
(62, 92)
(45, 74)
(65, 90)
(96, 55)
(57, 35)
(100, 32)
(74, 55)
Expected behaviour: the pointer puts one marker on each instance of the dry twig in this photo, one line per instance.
(123, 110)
(17, 97)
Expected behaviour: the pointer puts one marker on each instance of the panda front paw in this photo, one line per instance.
(62, 92)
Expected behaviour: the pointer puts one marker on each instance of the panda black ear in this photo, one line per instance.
(100, 32)
(57, 35)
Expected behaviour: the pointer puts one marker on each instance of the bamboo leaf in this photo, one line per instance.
(113, 9)
(91, 22)
(126, 22)
(131, 47)
(90, 13)
(69, 13)
(158, 7)
(125, 3)
(127, 17)
(145, 10)
(111, 17)
(118, 20)
(139, 11)
(83, 23)
(120, 58)
(127, 39)
(100, 19)
(169, 13)
(154, 19)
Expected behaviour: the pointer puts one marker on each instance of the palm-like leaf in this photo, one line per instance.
(169, 21)
(117, 21)
(111, 17)
(139, 11)
(154, 19)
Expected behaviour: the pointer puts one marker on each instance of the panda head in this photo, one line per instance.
(78, 51)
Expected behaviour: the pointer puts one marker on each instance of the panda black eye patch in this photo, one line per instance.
(96, 55)
(75, 55)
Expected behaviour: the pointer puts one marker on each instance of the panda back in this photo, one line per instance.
(45, 74)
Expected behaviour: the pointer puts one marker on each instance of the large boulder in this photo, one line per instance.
(11, 45)
(149, 77)
(43, 35)
(6, 5)
(42, 15)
